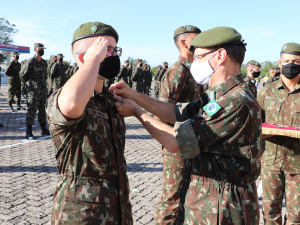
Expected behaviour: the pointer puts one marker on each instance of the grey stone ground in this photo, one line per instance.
(28, 172)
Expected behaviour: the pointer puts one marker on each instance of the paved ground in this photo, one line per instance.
(28, 172)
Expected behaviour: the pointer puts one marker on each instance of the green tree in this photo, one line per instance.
(134, 61)
(7, 30)
(243, 70)
(265, 66)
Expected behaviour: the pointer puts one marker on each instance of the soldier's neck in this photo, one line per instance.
(290, 84)
(187, 55)
(99, 85)
(39, 58)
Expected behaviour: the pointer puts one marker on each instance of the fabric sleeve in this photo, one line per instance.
(55, 116)
(260, 99)
(171, 87)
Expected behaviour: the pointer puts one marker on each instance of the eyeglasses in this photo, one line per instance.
(196, 56)
(111, 51)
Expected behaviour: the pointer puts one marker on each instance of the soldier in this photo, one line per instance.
(75, 68)
(123, 75)
(177, 85)
(148, 80)
(280, 104)
(274, 72)
(34, 74)
(137, 77)
(14, 82)
(253, 72)
(50, 64)
(129, 73)
(57, 74)
(23, 84)
(93, 186)
(159, 77)
(144, 78)
(220, 133)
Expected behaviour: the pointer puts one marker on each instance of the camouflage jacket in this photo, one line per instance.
(122, 74)
(34, 74)
(251, 84)
(129, 73)
(178, 84)
(161, 74)
(271, 79)
(93, 184)
(279, 106)
(12, 71)
(149, 77)
(57, 76)
(156, 75)
(137, 79)
(225, 149)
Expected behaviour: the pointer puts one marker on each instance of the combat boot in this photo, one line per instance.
(19, 106)
(45, 131)
(29, 134)
(11, 109)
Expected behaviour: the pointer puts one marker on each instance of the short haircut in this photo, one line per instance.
(235, 52)
(180, 37)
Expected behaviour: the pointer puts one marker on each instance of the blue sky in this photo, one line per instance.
(146, 28)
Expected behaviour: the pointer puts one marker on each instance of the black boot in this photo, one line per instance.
(45, 131)
(19, 106)
(11, 109)
(29, 134)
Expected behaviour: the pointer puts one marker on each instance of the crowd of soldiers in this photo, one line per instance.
(29, 78)
(207, 117)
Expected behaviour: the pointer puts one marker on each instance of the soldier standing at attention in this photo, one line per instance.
(129, 73)
(123, 75)
(137, 77)
(156, 90)
(144, 78)
(34, 74)
(57, 74)
(177, 85)
(50, 64)
(220, 133)
(159, 78)
(253, 71)
(14, 82)
(148, 80)
(274, 72)
(280, 103)
(93, 186)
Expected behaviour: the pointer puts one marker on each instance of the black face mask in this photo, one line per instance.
(277, 74)
(17, 57)
(60, 60)
(110, 67)
(40, 52)
(55, 60)
(291, 70)
(166, 67)
(255, 74)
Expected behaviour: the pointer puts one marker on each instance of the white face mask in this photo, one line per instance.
(202, 71)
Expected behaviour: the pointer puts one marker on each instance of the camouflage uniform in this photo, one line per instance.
(137, 79)
(281, 158)
(123, 75)
(148, 80)
(158, 80)
(177, 85)
(93, 186)
(108, 82)
(224, 149)
(129, 73)
(57, 77)
(251, 84)
(34, 74)
(144, 78)
(271, 79)
(14, 82)
(49, 76)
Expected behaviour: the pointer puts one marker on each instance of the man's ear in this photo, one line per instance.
(80, 57)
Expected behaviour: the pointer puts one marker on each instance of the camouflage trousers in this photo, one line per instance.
(14, 91)
(275, 182)
(83, 201)
(157, 88)
(36, 100)
(168, 207)
(137, 87)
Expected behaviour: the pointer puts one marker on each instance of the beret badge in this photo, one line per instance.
(94, 28)
(188, 27)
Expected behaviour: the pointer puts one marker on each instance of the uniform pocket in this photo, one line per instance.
(272, 111)
(92, 194)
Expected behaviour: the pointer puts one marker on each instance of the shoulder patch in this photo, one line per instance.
(212, 108)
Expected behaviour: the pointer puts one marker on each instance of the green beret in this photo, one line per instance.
(140, 60)
(54, 57)
(39, 45)
(60, 55)
(216, 37)
(15, 53)
(126, 61)
(186, 29)
(165, 63)
(291, 48)
(253, 62)
(274, 68)
(92, 29)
